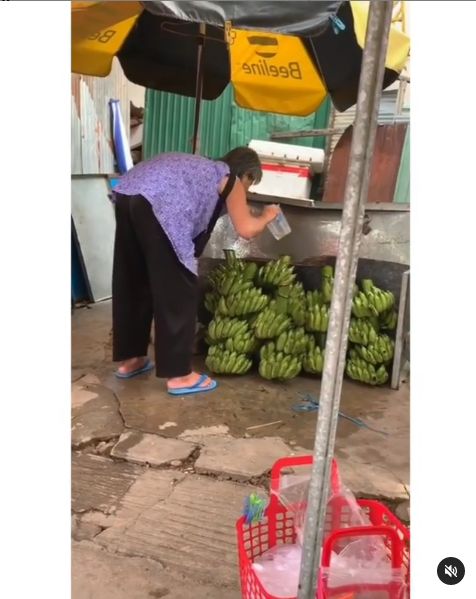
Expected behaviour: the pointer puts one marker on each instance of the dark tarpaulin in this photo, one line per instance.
(293, 18)
(339, 59)
(161, 53)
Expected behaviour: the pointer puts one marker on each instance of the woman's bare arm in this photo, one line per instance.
(245, 223)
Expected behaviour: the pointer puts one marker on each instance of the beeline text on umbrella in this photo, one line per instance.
(267, 47)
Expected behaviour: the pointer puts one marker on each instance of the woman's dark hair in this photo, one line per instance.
(244, 162)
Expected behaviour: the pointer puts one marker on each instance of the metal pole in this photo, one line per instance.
(379, 19)
(376, 95)
(198, 90)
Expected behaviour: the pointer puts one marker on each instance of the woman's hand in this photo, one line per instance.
(271, 211)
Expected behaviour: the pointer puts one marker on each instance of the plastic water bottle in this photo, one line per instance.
(279, 227)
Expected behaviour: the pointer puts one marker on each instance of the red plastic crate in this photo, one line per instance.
(278, 527)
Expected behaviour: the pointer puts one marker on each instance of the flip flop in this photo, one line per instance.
(195, 388)
(143, 369)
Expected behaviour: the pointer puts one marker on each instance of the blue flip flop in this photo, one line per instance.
(195, 388)
(146, 368)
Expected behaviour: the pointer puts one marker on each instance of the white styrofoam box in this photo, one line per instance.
(284, 180)
(287, 169)
(314, 157)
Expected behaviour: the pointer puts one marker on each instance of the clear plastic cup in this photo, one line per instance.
(279, 227)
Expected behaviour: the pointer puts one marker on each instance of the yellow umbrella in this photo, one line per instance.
(269, 71)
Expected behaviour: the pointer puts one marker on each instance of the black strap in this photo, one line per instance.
(202, 239)
(228, 187)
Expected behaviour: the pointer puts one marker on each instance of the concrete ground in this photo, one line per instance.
(158, 481)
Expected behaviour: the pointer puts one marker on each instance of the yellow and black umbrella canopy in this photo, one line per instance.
(270, 51)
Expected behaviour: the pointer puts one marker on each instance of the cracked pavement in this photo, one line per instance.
(158, 482)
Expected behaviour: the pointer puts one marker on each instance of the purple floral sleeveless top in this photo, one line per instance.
(183, 190)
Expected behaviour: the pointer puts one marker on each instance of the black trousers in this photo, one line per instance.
(149, 282)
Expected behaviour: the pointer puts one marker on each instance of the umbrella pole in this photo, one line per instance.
(198, 90)
(371, 78)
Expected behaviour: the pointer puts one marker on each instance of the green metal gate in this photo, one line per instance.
(168, 124)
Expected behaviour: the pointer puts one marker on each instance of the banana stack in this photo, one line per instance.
(264, 314)
(277, 273)
(223, 361)
(242, 343)
(221, 329)
(242, 303)
(293, 342)
(362, 331)
(292, 299)
(317, 319)
(360, 370)
(270, 324)
(297, 311)
(313, 360)
(371, 301)
(388, 321)
(286, 297)
(230, 278)
(211, 301)
(275, 365)
(379, 352)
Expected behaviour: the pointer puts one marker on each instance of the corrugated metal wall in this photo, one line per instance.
(91, 142)
(342, 120)
(168, 124)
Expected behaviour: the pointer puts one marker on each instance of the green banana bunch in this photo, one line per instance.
(270, 324)
(382, 301)
(233, 282)
(313, 298)
(294, 291)
(375, 322)
(362, 331)
(220, 329)
(313, 361)
(267, 351)
(280, 304)
(379, 352)
(249, 270)
(278, 365)
(211, 301)
(232, 265)
(243, 343)
(359, 370)
(217, 274)
(361, 306)
(286, 297)
(388, 320)
(277, 273)
(327, 275)
(242, 303)
(293, 342)
(223, 361)
(297, 311)
(317, 319)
